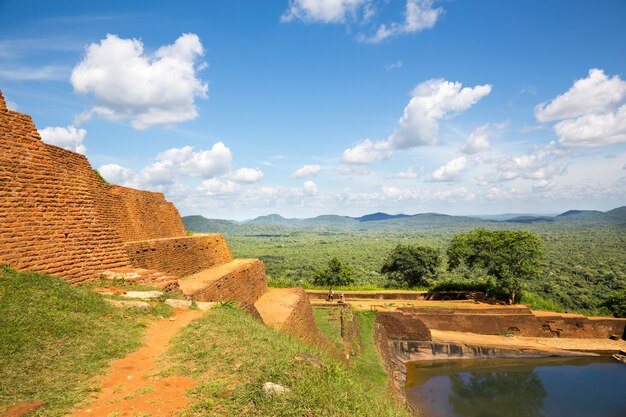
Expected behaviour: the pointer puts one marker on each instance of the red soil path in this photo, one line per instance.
(128, 388)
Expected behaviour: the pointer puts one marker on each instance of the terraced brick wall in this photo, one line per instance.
(141, 215)
(58, 217)
(49, 197)
(179, 256)
(244, 284)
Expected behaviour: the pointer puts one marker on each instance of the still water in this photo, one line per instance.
(545, 387)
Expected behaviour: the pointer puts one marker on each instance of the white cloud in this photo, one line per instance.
(186, 162)
(592, 130)
(592, 112)
(147, 89)
(538, 164)
(478, 141)
(595, 94)
(65, 137)
(247, 175)
(451, 171)
(407, 174)
(310, 188)
(115, 174)
(306, 171)
(11, 105)
(218, 187)
(431, 101)
(324, 11)
(367, 152)
(419, 15)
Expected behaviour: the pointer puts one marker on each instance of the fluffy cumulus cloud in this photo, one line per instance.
(247, 175)
(478, 141)
(65, 137)
(147, 89)
(115, 174)
(430, 102)
(307, 171)
(324, 11)
(451, 171)
(310, 188)
(218, 187)
(177, 171)
(591, 113)
(419, 15)
(367, 152)
(541, 164)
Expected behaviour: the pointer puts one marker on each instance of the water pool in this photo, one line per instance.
(544, 387)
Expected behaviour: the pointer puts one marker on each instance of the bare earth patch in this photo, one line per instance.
(128, 389)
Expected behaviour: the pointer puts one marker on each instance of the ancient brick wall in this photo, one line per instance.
(58, 217)
(179, 256)
(519, 321)
(49, 197)
(141, 215)
(244, 283)
(301, 323)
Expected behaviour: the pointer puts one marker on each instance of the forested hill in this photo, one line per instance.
(382, 221)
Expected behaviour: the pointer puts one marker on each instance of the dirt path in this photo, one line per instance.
(129, 390)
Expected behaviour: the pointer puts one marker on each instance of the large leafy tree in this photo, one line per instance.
(412, 265)
(334, 274)
(510, 257)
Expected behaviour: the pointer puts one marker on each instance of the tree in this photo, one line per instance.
(412, 265)
(616, 303)
(510, 257)
(335, 274)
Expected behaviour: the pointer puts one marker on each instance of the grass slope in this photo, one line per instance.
(54, 338)
(233, 355)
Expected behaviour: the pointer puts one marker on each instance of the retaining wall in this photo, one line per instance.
(179, 256)
(520, 321)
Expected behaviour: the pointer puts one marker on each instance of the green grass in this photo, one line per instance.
(328, 321)
(232, 356)
(366, 367)
(55, 338)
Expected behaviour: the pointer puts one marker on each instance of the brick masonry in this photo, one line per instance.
(58, 217)
(179, 256)
(244, 283)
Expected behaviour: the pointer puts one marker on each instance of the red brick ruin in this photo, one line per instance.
(58, 217)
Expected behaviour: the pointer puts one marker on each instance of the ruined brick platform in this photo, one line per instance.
(289, 310)
(242, 280)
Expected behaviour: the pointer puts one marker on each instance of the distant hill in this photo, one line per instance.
(379, 216)
(615, 216)
(381, 221)
(203, 225)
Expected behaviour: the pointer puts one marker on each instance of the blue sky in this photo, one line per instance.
(308, 107)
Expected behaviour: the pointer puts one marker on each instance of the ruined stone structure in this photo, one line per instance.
(58, 217)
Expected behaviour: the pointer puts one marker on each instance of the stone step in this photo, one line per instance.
(161, 280)
(241, 280)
